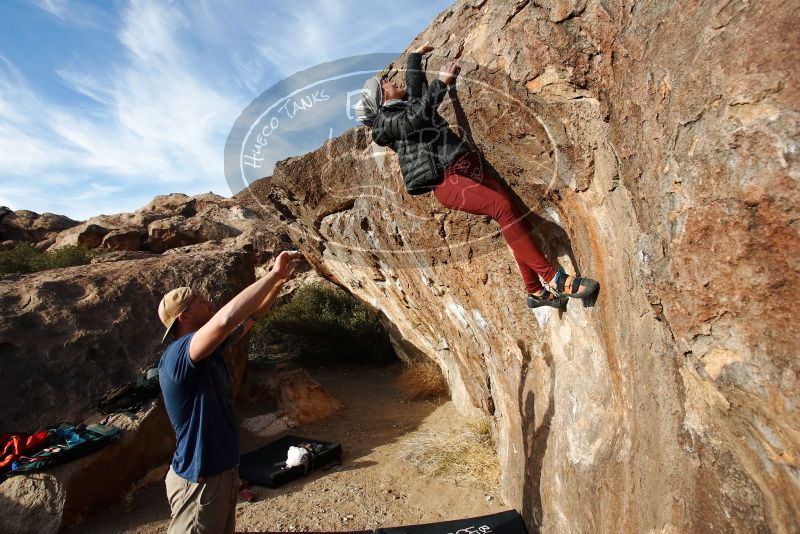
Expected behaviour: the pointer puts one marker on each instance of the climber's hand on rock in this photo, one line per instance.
(286, 264)
(424, 49)
(448, 72)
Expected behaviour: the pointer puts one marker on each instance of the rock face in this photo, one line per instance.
(101, 329)
(656, 146)
(59, 376)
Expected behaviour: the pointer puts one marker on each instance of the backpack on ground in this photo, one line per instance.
(130, 397)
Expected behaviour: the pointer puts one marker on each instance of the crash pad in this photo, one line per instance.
(266, 466)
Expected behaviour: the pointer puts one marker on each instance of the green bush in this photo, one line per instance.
(318, 322)
(26, 258)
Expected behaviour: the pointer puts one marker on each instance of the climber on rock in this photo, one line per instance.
(433, 158)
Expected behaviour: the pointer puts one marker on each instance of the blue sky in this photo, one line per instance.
(104, 105)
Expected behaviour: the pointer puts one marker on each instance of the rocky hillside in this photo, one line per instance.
(167, 222)
(655, 144)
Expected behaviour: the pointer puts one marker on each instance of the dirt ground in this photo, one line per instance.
(372, 488)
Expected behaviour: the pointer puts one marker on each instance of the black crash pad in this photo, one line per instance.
(264, 466)
(508, 522)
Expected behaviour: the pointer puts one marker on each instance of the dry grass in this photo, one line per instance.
(422, 380)
(465, 453)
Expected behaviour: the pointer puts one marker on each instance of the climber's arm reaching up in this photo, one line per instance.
(415, 77)
(419, 111)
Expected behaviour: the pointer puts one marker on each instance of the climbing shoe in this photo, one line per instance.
(574, 287)
(547, 299)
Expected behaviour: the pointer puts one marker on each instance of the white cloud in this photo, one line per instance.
(28, 145)
(151, 117)
(77, 13)
(87, 84)
(322, 31)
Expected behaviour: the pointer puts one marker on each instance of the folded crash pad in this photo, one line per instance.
(508, 522)
(267, 466)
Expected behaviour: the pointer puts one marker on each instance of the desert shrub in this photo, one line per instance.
(26, 258)
(422, 380)
(319, 322)
(467, 452)
(70, 256)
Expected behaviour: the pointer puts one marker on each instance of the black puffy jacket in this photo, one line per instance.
(412, 128)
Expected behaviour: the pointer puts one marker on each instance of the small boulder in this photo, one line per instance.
(170, 205)
(173, 232)
(91, 236)
(128, 238)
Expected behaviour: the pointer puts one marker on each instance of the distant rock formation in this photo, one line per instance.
(167, 222)
(656, 145)
(24, 225)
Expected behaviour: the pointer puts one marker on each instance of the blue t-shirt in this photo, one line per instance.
(199, 401)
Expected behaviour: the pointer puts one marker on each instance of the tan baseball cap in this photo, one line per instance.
(173, 303)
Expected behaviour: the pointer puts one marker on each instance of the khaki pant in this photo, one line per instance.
(208, 507)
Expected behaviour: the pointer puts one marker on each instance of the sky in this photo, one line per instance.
(104, 105)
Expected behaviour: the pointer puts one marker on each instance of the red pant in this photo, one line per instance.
(467, 188)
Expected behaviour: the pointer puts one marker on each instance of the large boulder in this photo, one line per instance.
(25, 225)
(66, 336)
(655, 145)
(100, 327)
(90, 233)
(179, 231)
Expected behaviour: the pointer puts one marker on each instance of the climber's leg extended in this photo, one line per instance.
(467, 189)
